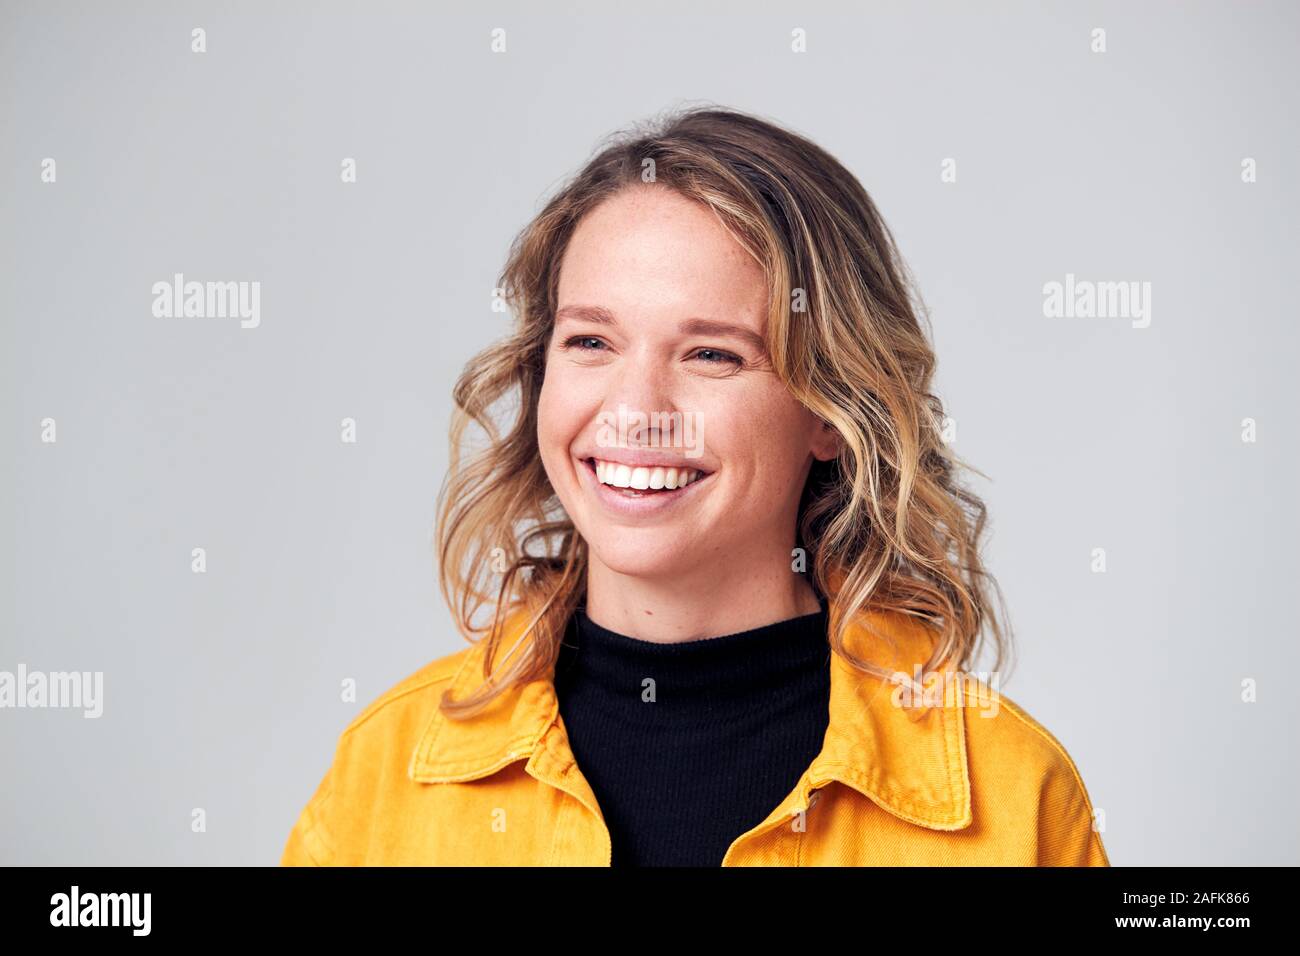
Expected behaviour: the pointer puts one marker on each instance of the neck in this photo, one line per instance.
(721, 600)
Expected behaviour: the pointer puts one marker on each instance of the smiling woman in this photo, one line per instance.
(692, 643)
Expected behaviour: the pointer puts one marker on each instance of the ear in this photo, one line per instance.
(827, 442)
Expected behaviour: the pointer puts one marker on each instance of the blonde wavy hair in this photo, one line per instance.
(885, 526)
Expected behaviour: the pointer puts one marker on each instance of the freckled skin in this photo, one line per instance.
(721, 562)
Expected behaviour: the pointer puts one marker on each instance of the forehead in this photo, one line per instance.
(649, 250)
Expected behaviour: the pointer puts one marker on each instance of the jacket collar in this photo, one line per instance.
(915, 767)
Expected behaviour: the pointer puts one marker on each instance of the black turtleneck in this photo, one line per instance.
(689, 745)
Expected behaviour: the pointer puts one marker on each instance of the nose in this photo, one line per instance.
(643, 399)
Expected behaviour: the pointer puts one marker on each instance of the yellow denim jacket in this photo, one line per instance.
(976, 781)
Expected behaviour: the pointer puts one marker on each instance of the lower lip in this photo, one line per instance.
(638, 506)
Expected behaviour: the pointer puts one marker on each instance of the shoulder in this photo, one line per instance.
(1011, 752)
(420, 693)
(398, 718)
(998, 720)
(370, 760)
(386, 732)
(390, 726)
(411, 692)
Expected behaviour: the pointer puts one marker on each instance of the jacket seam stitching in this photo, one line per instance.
(475, 764)
(1057, 746)
(1093, 836)
(382, 704)
(310, 832)
(951, 757)
(559, 831)
(315, 831)
(891, 796)
(424, 749)
(798, 843)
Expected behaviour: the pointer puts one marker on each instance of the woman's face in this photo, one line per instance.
(683, 308)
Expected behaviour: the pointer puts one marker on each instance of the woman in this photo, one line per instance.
(732, 580)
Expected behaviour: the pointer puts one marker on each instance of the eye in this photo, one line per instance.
(723, 357)
(572, 342)
(593, 343)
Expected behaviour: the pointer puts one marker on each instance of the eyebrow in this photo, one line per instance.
(602, 316)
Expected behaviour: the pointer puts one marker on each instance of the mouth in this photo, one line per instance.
(642, 490)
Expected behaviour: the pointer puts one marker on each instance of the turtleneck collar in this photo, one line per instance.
(712, 669)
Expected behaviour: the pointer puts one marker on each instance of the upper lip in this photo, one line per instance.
(643, 458)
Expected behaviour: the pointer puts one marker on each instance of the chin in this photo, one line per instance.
(641, 557)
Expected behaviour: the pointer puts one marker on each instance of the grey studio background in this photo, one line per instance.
(222, 689)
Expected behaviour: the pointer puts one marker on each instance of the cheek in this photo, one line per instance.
(561, 411)
(546, 406)
(766, 439)
(550, 425)
(551, 403)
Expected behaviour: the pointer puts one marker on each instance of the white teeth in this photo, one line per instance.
(624, 476)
